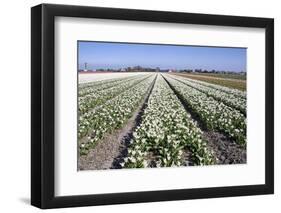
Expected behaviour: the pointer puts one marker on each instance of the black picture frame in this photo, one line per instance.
(43, 117)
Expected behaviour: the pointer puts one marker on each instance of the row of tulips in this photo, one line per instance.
(165, 132)
(236, 92)
(88, 88)
(213, 113)
(230, 99)
(113, 114)
(99, 97)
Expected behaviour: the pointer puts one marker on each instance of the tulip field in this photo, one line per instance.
(150, 120)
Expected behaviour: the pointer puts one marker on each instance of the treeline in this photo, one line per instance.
(157, 69)
(210, 71)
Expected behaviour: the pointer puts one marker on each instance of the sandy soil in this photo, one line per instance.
(225, 150)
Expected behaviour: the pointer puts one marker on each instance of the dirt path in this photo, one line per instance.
(225, 150)
(110, 151)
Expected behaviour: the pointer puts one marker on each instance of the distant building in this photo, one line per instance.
(86, 68)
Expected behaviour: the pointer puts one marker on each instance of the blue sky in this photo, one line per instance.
(121, 55)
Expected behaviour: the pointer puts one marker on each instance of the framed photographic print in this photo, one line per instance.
(140, 106)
